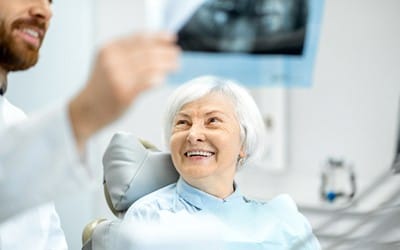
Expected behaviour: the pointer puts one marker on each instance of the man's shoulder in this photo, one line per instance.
(11, 113)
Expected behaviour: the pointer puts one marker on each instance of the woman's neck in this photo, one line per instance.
(217, 188)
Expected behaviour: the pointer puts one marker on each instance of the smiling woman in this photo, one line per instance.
(213, 128)
(205, 143)
(209, 133)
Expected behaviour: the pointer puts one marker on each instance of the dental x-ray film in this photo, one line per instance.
(247, 26)
(256, 42)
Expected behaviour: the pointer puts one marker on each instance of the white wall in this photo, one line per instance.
(64, 59)
(351, 109)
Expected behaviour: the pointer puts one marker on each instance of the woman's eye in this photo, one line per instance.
(182, 122)
(213, 120)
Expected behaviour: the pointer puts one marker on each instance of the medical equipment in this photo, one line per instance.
(352, 227)
(338, 181)
(396, 161)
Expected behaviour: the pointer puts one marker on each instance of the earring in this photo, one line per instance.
(240, 161)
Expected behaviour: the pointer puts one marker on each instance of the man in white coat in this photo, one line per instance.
(40, 156)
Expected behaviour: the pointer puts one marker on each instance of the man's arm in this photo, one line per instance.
(39, 162)
(122, 71)
(39, 157)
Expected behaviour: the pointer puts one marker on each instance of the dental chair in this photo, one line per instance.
(132, 169)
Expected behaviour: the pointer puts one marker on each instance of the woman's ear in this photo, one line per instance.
(241, 158)
(242, 154)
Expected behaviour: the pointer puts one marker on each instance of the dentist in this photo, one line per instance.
(41, 156)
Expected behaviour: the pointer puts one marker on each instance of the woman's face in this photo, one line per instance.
(205, 141)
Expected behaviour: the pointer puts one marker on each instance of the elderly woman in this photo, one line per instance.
(213, 128)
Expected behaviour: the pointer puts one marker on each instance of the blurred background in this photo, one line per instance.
(348, 112)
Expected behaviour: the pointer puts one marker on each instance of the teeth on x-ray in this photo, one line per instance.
(248, 26)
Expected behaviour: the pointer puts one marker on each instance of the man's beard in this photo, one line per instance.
(15, 55)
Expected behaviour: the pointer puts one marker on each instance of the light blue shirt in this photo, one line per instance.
(240, 223)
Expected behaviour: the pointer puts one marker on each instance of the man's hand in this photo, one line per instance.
(123, 69)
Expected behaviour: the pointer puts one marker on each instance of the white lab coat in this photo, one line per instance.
(38, 163)
(35, 229)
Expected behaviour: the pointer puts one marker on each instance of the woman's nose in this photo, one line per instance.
(41, 9)
(196, 134)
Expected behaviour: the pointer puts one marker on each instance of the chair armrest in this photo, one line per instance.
(88, 233)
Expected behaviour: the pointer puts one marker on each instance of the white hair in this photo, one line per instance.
(252, 128)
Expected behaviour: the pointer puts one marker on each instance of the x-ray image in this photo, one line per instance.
(256, 42)
(247, 26)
